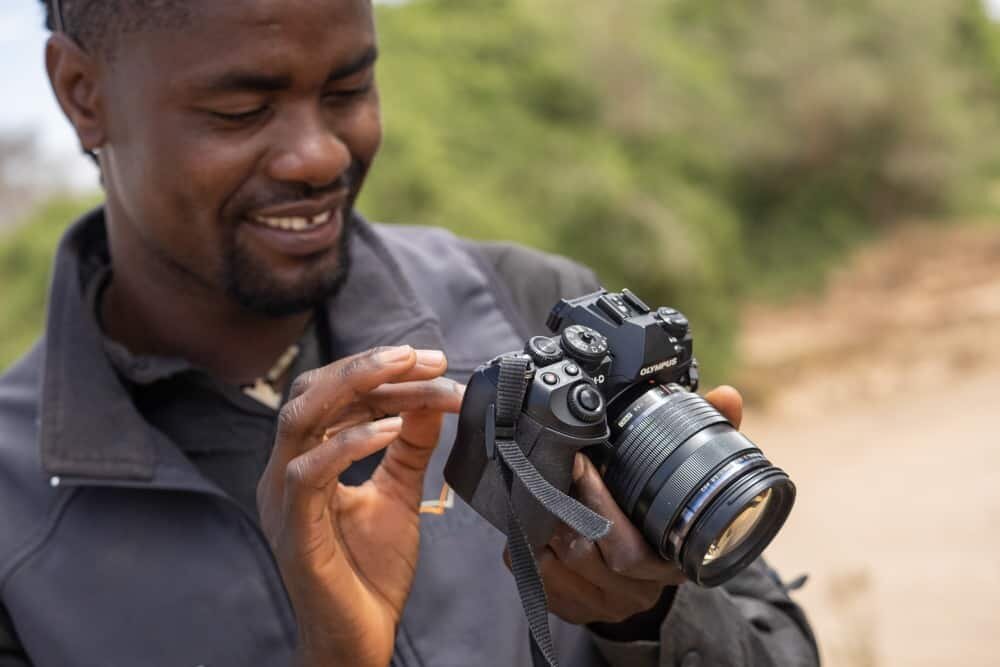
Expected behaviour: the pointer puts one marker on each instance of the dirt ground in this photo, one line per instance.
(881, 399)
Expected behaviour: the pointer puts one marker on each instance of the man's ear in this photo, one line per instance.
(74, 75)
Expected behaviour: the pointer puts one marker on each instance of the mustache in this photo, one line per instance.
(291, 193)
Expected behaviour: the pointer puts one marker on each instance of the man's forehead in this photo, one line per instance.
(276, 13)
(213, 21)
(268, 35)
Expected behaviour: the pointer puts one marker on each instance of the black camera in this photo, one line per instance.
(617, 383)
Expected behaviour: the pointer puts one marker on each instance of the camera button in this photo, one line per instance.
(586, 403)
(571, 369)
(550, 378)
(544, 350)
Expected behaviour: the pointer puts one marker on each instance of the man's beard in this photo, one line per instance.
(249, 282)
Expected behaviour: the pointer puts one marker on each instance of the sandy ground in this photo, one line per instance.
(882, 399)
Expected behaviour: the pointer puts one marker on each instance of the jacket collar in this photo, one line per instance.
(89, 426)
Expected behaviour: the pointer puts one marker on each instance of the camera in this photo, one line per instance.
(616, 381)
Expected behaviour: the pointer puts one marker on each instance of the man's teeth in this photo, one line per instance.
(295, 224)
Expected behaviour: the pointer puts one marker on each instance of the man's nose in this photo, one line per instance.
(309, 152)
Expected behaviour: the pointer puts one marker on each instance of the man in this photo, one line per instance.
(141, 436)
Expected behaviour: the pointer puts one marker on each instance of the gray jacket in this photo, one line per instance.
(115, 551)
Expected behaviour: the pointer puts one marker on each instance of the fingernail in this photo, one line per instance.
(393, 354)
(433, 358)
(578, 467)
(388, 424)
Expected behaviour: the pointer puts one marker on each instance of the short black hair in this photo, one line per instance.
(96, 25)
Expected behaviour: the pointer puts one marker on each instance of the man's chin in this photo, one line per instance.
(259, 288)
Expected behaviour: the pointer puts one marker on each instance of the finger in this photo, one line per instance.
(311, 478)
(319, 395)
(406, 458)
(573, 598)
(437, 395)
(729, 402)
(624, 549)
(583, 557)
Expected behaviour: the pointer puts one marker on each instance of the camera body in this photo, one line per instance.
(609, 346)
(617, 382)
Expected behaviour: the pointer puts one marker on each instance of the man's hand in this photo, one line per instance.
(619, 576)
(348, 555)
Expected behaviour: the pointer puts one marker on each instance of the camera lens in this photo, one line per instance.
(699, 490)
(741, 527)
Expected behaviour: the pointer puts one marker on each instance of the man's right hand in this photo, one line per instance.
(348, 555)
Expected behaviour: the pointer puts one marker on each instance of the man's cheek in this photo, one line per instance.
(207, 181)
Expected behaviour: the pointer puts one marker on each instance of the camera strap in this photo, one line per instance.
(512, 463)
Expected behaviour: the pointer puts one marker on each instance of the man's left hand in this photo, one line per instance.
(620, 575)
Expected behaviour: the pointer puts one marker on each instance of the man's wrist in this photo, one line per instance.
(644, 626)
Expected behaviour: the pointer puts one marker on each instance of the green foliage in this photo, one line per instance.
(698, 151)
(25, 271)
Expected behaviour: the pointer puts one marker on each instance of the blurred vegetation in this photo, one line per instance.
(25, 272)
(698, 151)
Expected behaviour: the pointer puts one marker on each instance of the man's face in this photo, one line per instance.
(237, 146)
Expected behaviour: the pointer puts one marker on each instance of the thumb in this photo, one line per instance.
(728, 401)
(407, 457)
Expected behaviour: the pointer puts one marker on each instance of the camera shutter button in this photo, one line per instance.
(586, 403)
(543, 350)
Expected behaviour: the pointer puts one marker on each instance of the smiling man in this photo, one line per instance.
(170, 496)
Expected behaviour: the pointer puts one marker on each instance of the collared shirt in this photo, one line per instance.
(227, 434)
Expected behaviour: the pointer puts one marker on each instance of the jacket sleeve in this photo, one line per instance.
(749, 620)
(11, 652)
(535, 281)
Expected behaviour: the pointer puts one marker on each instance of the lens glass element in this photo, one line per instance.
(739, 529)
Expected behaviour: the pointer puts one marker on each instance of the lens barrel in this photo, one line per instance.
(699, 490)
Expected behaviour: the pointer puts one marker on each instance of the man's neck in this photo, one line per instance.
(234, 345)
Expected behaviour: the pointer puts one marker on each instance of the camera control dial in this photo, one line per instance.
(584, 344)
(543, 350)
(586, 403)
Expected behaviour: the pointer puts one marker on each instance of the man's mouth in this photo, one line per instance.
(293, 223)
(301, 229)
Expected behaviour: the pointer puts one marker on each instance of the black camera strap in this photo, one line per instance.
(512, 463)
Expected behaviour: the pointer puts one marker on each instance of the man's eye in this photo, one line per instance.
(239, 116)
(348, 94)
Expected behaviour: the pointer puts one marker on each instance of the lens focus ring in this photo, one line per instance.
(649, 442)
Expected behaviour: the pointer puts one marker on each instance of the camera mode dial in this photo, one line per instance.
(543, 350)
(584, 344)
(586, 403)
